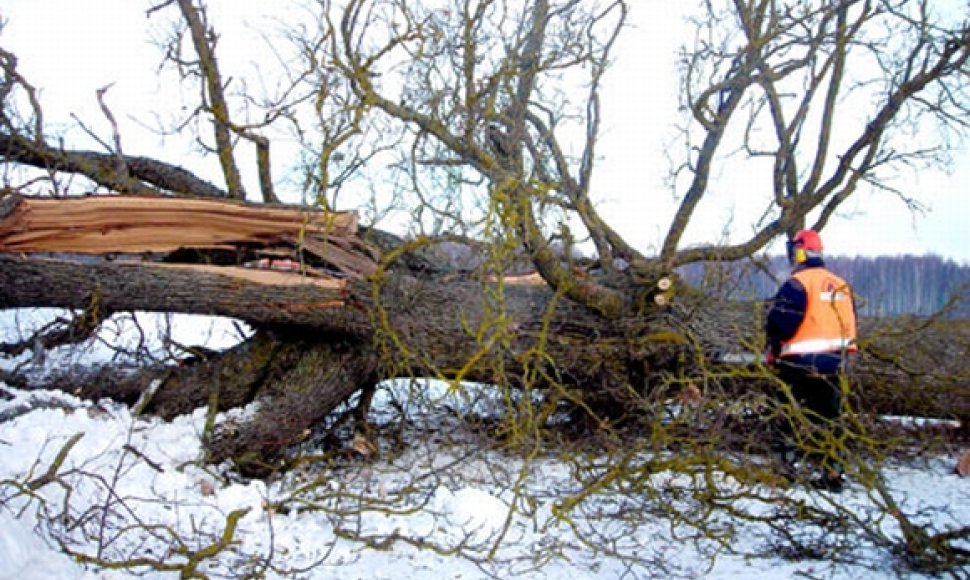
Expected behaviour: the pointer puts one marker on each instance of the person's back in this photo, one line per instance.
(810, 328)
(812, 319)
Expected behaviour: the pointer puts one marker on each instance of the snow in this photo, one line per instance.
(443, 507)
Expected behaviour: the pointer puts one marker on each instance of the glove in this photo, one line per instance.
(769, 357)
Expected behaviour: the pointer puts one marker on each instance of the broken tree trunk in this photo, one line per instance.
(404, 326)
(332, 317)
(336, 323)
(110, 286)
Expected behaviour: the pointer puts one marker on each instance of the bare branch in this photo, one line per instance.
(204, 42)
(144, 175)
(794, 63)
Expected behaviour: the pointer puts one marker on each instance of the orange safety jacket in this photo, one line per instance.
(829, 324)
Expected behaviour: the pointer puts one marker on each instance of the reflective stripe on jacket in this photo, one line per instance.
(829, 324)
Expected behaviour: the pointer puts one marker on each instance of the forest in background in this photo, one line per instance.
(885, 286)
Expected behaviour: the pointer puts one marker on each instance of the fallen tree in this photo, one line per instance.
(322, 336)
(475, 127)
(338, 320)
(485, 117)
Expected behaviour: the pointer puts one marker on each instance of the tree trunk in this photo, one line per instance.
(296, 381)
(343, 323)
(322, 343)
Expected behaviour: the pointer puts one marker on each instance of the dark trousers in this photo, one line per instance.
(808, 421)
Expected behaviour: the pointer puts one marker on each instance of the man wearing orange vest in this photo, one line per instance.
(810, 329)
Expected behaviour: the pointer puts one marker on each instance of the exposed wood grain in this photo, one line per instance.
(137, 224)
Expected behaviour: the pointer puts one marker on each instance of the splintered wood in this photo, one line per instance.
(153, 227)
(133, 225)
(273, 277)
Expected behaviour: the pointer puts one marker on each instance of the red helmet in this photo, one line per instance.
(808, 240)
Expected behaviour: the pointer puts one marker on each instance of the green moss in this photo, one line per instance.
(666, 337)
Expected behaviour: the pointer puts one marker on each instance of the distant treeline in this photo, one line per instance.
(884, 286)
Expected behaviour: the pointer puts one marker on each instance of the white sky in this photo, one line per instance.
(69, 49)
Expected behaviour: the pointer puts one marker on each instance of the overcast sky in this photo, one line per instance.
(68, 49)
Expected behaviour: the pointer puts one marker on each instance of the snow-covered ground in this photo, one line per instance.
(134, 489)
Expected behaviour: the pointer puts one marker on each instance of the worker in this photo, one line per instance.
(810, 329)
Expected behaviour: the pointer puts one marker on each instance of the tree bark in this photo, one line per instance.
(192, 289)
(143, 177)
(316, 345)
(323, 335)
(296, 380)
(334, 337)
